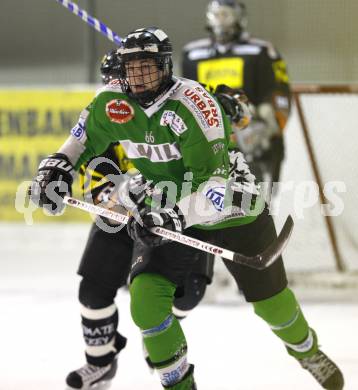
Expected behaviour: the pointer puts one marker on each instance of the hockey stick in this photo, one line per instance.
(260, 261)
(91, 21)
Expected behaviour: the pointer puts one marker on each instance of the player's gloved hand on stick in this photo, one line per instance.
(53, 181)
(138, 189)
(148, 217)
(134, 190)
(131, 191)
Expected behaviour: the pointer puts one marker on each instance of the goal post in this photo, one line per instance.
(320, 90)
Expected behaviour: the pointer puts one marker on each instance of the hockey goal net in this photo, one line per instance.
(321, 167)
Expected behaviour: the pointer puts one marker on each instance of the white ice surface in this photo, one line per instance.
(232, 348)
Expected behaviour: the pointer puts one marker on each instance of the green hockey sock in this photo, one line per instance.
(151, 308)
(284, 316)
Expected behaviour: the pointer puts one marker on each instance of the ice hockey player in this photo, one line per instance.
(106, 261)
(231, 56)
(176, 135)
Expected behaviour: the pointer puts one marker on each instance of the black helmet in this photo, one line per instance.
(226, 19)
(110, 66)
(153, 45)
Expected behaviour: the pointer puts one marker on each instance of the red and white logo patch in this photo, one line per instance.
(119, 111)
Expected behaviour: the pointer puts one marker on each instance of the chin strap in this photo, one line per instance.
(161, 91)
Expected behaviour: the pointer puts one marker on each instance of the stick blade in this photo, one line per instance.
(271, 253)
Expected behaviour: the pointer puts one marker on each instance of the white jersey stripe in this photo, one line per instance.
(98, 314)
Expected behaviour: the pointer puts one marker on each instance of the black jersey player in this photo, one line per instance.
(231, 56)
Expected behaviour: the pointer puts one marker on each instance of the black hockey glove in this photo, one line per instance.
(53, 181)
(235, 104)
(148, 217)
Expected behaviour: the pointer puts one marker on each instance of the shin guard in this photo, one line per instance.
(99, 328)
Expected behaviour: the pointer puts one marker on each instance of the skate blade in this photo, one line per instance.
(101, 385)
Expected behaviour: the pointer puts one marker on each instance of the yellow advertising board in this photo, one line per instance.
(33, 124)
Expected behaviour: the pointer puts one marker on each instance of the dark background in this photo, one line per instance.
(43, 43)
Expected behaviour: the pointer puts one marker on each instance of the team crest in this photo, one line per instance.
(119, 111)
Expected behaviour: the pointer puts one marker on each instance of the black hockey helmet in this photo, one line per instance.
(110, 66)
(226, 19)
(146, 82)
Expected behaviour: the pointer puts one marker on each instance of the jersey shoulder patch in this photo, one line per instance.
(79, 130)
(203, 108)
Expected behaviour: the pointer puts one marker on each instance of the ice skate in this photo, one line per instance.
(324, 370)
(90, 376)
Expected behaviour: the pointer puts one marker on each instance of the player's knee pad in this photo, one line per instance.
(151, 300)
(194, 292)
(94, 295)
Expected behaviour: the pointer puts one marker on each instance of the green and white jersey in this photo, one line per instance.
(180, 143)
